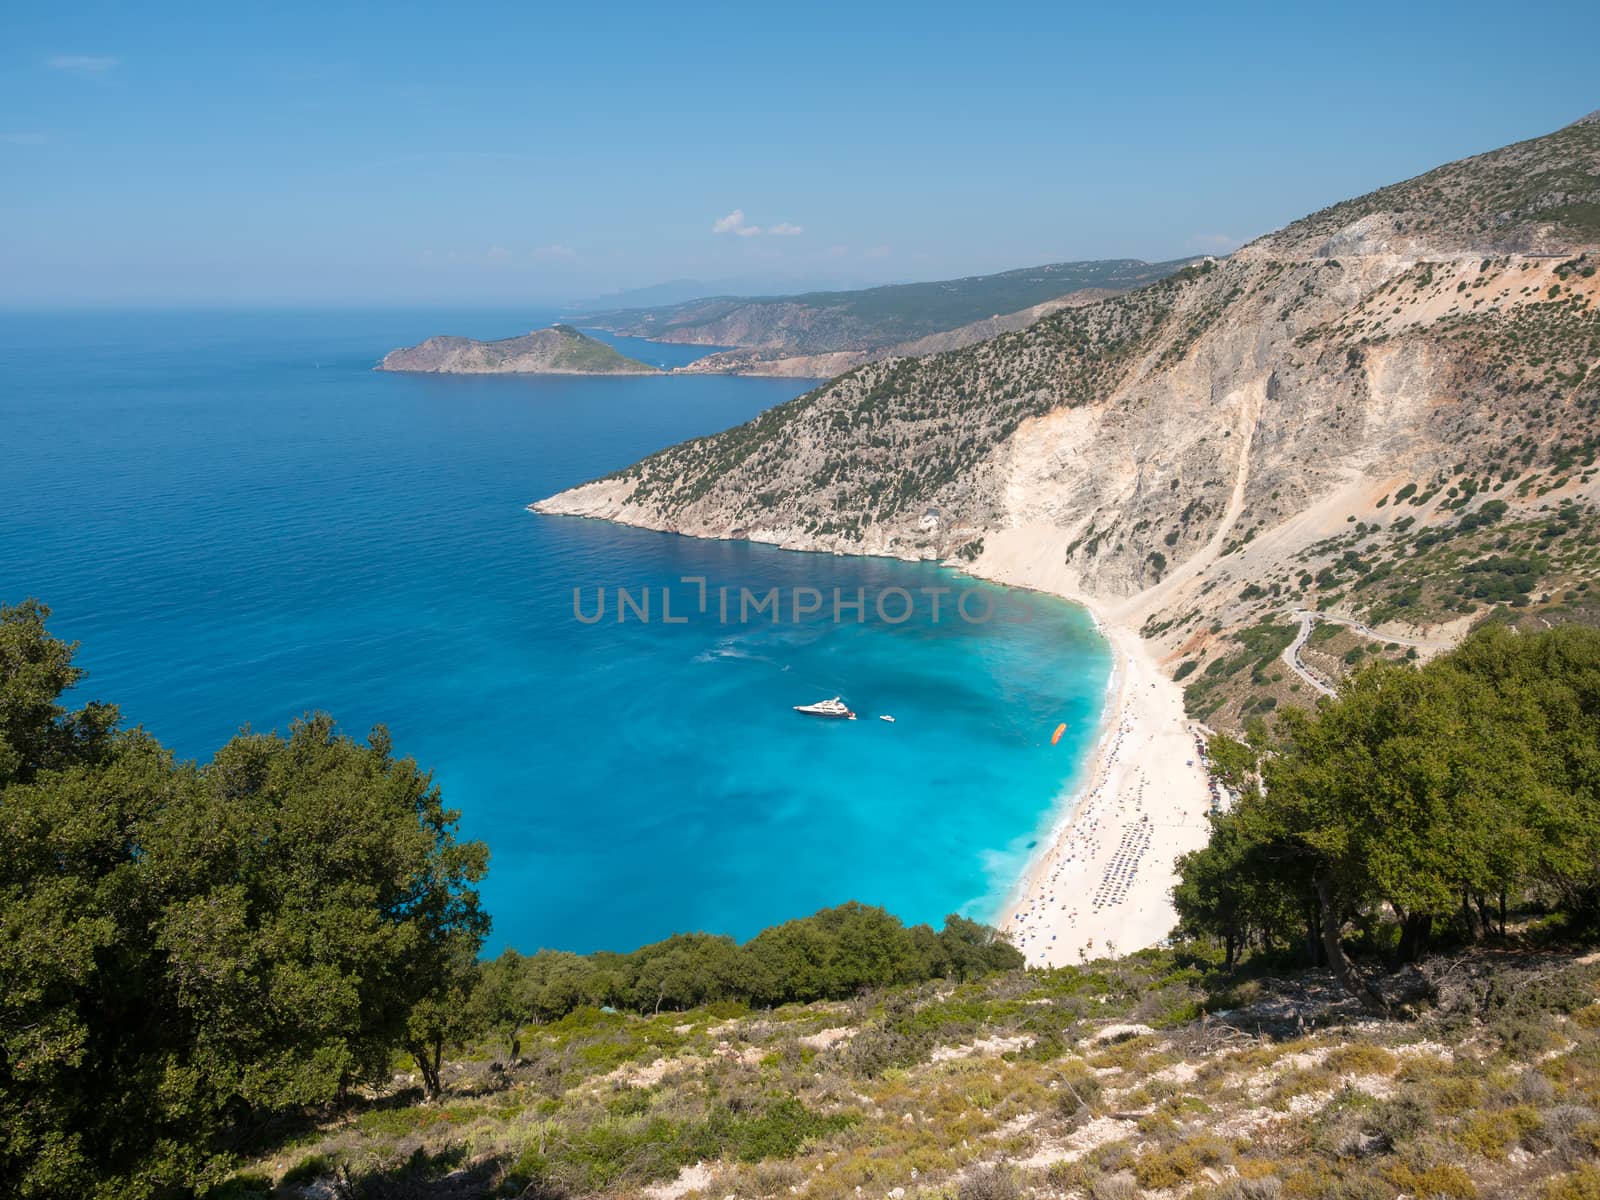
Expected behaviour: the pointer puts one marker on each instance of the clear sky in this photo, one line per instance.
(328, 153)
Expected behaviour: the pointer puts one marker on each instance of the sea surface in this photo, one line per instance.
(242, 522)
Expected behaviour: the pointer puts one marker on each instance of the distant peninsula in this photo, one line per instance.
(819, 334)
(559, 350)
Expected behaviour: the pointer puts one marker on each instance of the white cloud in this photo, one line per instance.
(23, 139)
(554, 250)
(736, 224)
(81, 64)
(877, 252)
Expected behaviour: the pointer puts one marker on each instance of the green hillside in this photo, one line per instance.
(885, 316)
(581, 354)
(908, 310)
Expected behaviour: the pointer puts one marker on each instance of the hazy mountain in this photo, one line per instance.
(867, 321)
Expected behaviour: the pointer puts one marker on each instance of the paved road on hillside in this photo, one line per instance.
(1309, 618)
(1291, 653)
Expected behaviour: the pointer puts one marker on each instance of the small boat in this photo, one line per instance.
(827, 708)
(886, 717)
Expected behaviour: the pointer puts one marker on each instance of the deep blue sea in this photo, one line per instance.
(241, 522)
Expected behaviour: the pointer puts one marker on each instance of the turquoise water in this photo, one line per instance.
(241, 522)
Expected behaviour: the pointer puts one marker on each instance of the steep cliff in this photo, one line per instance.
(1356, 412)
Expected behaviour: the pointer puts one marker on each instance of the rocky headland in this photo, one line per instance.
(558, 350)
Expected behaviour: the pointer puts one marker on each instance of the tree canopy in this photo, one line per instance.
(833, 954)
(182, 945)
(1432, 794)
(187, 949)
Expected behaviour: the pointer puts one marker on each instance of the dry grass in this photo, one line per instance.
(1452, 1105)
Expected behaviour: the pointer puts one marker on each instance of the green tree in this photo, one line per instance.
(445, 1015)
(792, 962)
(36, 731)
(970, 949)
(871, 948)
(686, 970)
(183, 946)
(1427, 793)
(1211, 896)
(501, 1003)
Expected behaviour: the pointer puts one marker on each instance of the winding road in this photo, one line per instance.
(1309, 617)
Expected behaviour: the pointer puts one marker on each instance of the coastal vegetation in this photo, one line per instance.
(831, 955)
(1159, 1072)
(1417, 799)
(259, 977)
(184, 947)
(190, 952)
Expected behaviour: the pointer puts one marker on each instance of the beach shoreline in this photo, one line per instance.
(1070, 798)
(1100, 884)
(1142, 795)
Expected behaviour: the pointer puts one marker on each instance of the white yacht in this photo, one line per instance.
(827, 708)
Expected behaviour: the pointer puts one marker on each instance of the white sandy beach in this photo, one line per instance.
(1102, 883)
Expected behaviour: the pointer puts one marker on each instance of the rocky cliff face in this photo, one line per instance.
(1195, 454)
(559, 350)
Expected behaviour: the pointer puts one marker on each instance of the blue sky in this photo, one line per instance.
(300, 153)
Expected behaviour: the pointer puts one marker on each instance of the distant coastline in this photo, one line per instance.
(824, 334)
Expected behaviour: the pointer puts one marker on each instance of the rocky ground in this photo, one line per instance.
(1156, 1075)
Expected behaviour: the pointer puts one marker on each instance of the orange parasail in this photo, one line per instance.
(1056, 736)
